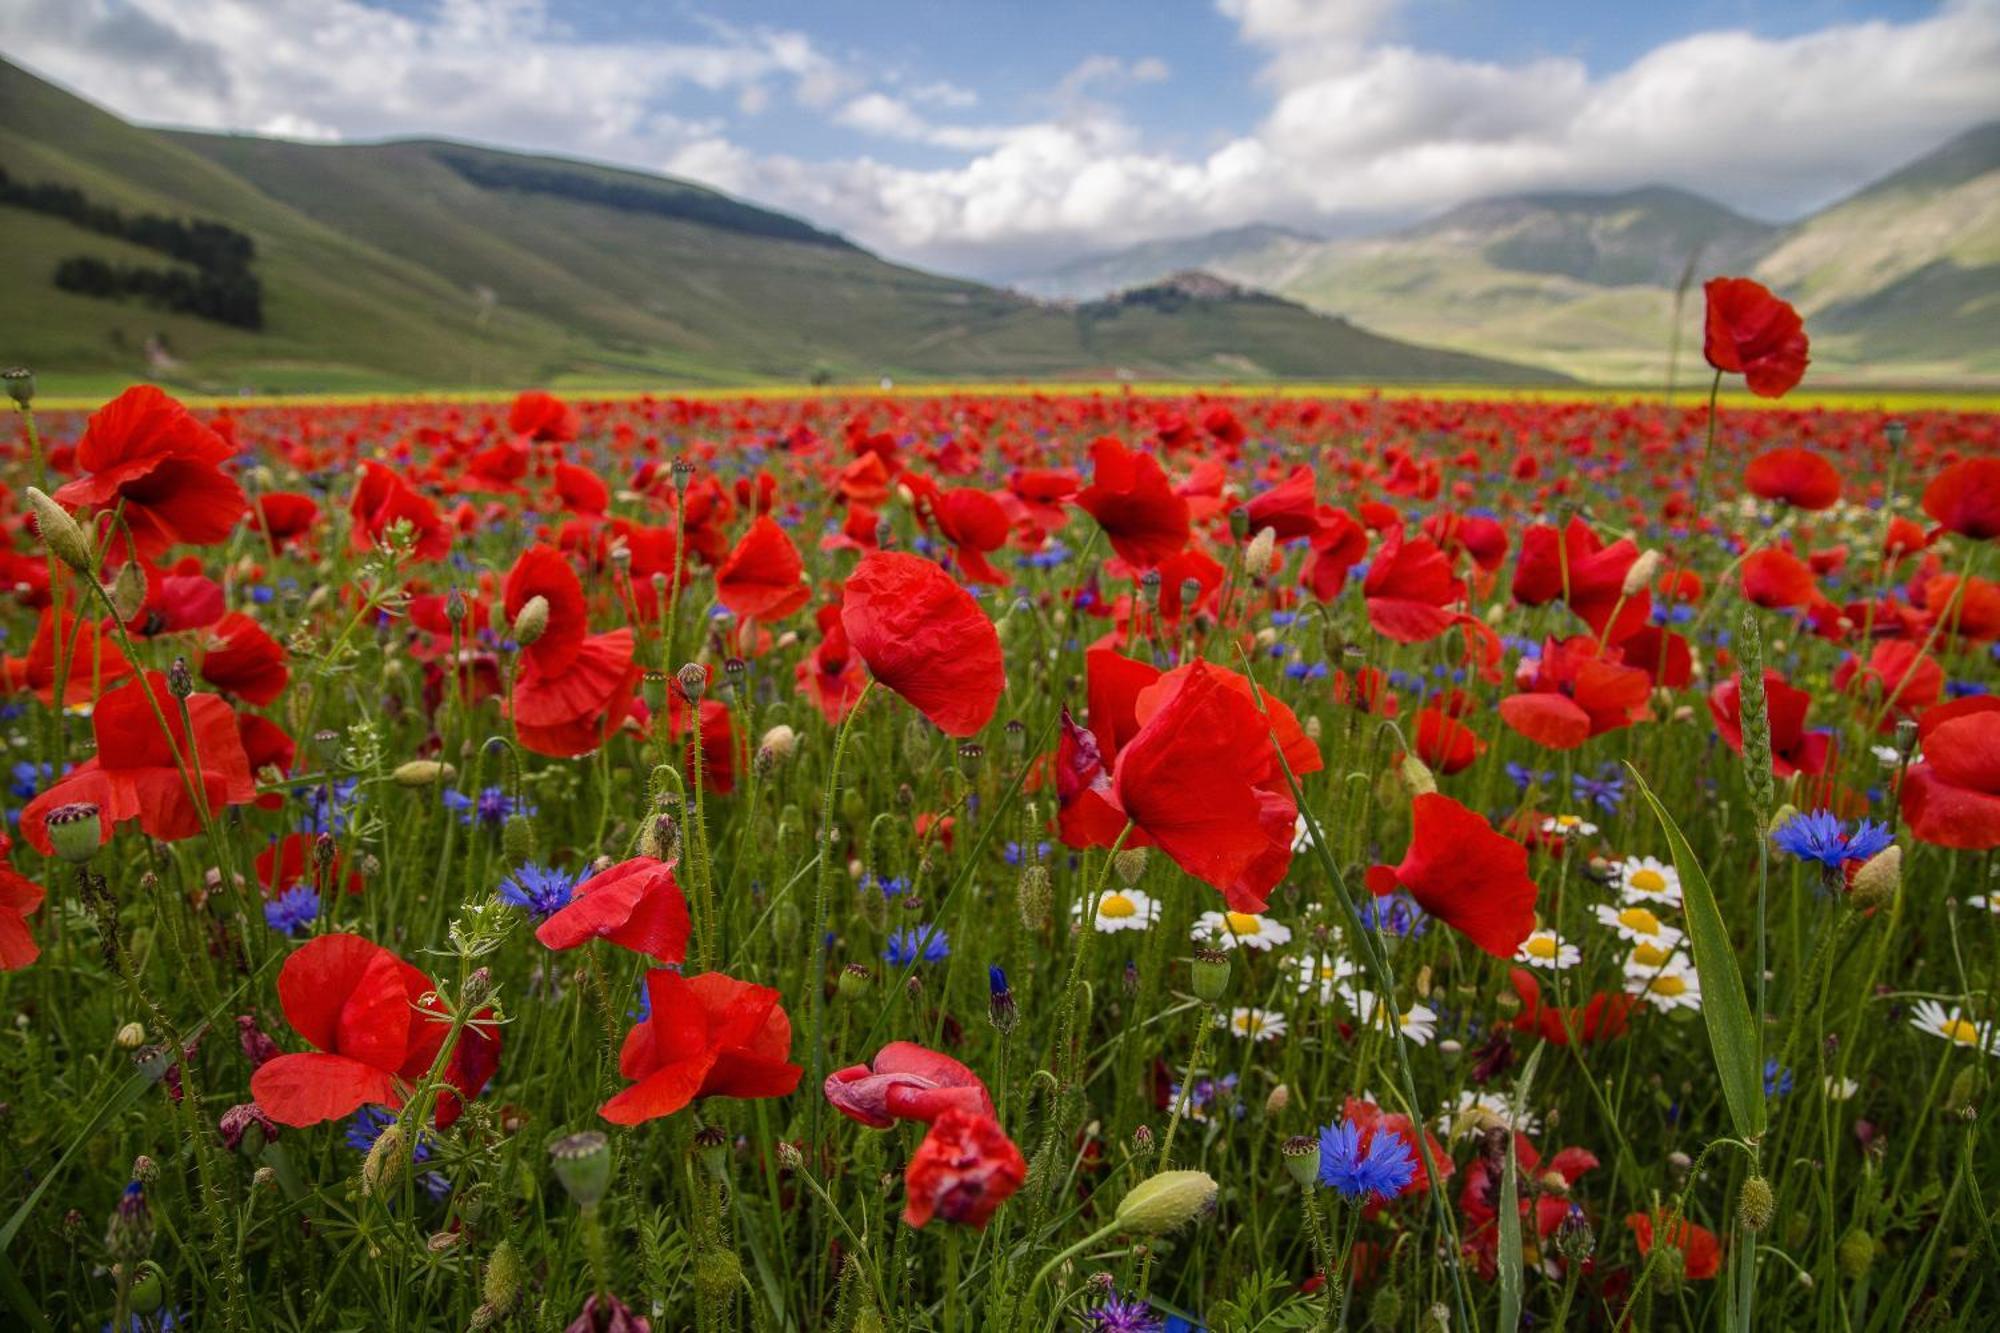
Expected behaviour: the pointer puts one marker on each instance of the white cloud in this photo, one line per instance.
(1359, 123)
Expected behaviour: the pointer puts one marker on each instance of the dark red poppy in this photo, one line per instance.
(1965, 498)
(764, 576)
(965, 1168)
(145, 455)
(1548, 1204)
(20, 898)
(283, 516)
(1752, 333)
(135, 775)
(1798, 477)
(239, 658)
(636, 904)
(575, 688)
(705, 1036)
(1462, 872)
(924, 637)
(906, 1082)
(1951, 796)
(1793, 748)
(376, 1027)
(1701, 1252)
(1131, 500)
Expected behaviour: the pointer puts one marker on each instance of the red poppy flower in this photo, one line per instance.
(145, 452)
(20, 898)
(1462, 872)
(965, 1168)
(1965, 498)
(1131, 500)
(706, 1036)
(1952, 795)
(382, 499)
(763, 577)
(1408, 588)
(1479, 1197)
(1288, 509)
(1573, 692)
(1897, 669)
(1701, 1252)
(575, 688)
(239, 658)
(289, 861)
(376, 1029)
(1445, 743)
(636, 904)
(906, 1082)
(1602, 1018)
(1793, 748)
(134, 774)
(94, 660)
(581, 491)
(283, 516)
(967, 517)
(831, 676)
(542, 416)
(1799, 477)
(925, 638)
(1338, 544)
(1584, 573)
(1753, 333)
(1371, 1120)
(1778, 579)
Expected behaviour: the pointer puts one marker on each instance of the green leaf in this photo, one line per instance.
(1512, 1293)
(1732, 1033)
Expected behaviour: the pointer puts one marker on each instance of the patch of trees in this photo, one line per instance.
(218, 284)
(685, 205)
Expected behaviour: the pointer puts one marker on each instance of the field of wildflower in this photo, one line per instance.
(1017, 861)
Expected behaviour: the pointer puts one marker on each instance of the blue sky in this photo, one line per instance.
(998, 138)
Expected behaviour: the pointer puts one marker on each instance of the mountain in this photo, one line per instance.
(1216, 251)
(229, 261)
(1900, 282)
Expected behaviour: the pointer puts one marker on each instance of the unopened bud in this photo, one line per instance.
(1639, 577)
(1755, 1205)
(1130, 864)
(693, 680)
(532, 621)
(60, 531)
(180, 678)
(128, 590)
(422, 773)
(1166, 1202)
(501, 1287)
(131, 1037)
(1257, 555)
(1878, 879)
(1416, 776)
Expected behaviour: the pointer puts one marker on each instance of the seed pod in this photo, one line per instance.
(1210, 969)
(1755, 1205)
(75, 831)
(20, 383)
(1301, 1154)
(583, 1164)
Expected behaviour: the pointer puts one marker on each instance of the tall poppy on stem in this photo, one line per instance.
(146, 455)
(1131, 499)
(1465, 874)
(925, 638)
(706, 1036)
(1752, 333)
(763, 577)
(636, 904)
(575, 688)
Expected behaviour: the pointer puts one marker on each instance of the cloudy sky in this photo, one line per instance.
(996, 138)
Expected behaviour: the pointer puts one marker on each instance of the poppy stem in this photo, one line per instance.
(822, 891)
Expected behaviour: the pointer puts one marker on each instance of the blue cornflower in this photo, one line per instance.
(893, 886)
(491, 807)
(1818, 836)
(918, 944)
(28, 777)
(1015, 853)
(161, 1321)
(1777, 1079)
(1205, 1095)
(541, 890)
(1525, 777)
(292, 910)
(1397, 914)
(996, 979)
(1381, 1166)
(329, 807)
(1117, 1315)
(1606, 791)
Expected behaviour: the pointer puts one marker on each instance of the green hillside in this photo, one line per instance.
(424, 263)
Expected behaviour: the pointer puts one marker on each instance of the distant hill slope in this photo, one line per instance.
(1898, 282)
(422, 263)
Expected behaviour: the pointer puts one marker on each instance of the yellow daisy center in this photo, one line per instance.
(1648, 880)
(1542, 946)
(1639, 919)
(1117, 905)
(1961, 1031)
(1243, 923)
(1669, 985)
(1649, 955)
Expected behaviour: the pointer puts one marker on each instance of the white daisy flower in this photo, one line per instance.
(1302, 838)
(1568, 826)
(1990, 902)
(1419, 1022)
(1253, 1024)
(1322, 973)
(1546, 949)
(1839, 1089)
(1638, 925)
(1888, 755)
(1227, 930)
(1952, 1024)
(1673, 985)
(1647, 958)
(1484, 1108)
(1121, 909)
(1647, 879)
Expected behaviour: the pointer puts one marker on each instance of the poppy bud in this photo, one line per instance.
(717, 1274)
(532, 621)
(1257, 556)
(180, 678)
(1301, 1154)
(131, 1037)
(128, 590)
(383, 1166)
(1639, 577)
(660, 838)
(853, 982)
(1000, 1008)
(20, 383)
(786, 923)
(1967, 1090)
(1894, 434)
(1755, 1204)
(1678, 1166)
(60, 532)
(1279, 1098)
(1856, 1252)
(517, 839)
(147, 1293)
(1166, 1202)
(422, 773)
(583, 1165)
(1880, 876)
(778, 745)
(1416, 775)
(75, 830)
(1385, 1311)
(693, 680)
(1784, 815)
(789, 1155)
(1210, 968)
(1239, 523)
(455, 609)
(502, 1284)
(1130, 863)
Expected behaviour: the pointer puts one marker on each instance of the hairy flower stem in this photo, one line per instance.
(822, 895)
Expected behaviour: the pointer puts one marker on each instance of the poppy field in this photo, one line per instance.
(1089, 860)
